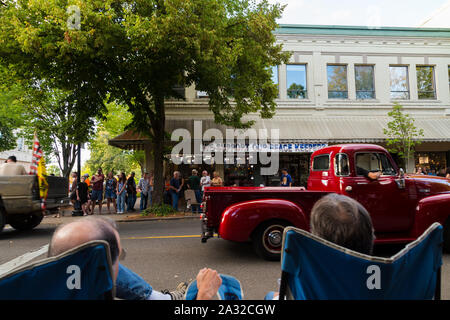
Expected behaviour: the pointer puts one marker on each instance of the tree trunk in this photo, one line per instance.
(158, 125)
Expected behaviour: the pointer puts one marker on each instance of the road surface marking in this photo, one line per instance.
(163, 237)
(23, 259)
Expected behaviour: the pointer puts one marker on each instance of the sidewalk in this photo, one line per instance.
(66, 215)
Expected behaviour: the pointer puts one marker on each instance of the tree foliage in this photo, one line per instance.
(136, 52)
(12, 112)
(110, 158)
(403, 135)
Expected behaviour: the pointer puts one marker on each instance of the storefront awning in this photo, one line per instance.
(331, 129)
(301, 129)
(130, 140)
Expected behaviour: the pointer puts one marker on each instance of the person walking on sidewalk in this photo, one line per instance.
(131, 192)
(143, 187)
(110, 191)
(82, 194)
(121, 192)
(194, 184)
(97, 190)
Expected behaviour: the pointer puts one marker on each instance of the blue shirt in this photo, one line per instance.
(288, 180)
(176, 183)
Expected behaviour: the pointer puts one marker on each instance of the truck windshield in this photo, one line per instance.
(375, 162)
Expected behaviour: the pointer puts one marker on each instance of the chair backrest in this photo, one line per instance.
(82, 273)
(231, 289)
(189, 195)
(316, 269)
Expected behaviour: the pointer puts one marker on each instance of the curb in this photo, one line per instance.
(130, 220)
(159, 219)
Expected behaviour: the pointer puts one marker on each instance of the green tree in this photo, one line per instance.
(138, 51)
(58, 123)
(107, 157)
(12, 112)
(403, 135)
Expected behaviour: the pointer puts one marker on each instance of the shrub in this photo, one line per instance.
(161, 210)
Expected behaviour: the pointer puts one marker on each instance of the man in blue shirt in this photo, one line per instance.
(176, 184)
(286, 180)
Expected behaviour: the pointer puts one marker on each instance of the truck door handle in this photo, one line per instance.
(348, 189)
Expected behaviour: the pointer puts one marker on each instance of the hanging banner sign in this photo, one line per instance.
(263, 147)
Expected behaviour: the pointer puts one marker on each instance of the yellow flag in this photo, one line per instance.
(43, 184)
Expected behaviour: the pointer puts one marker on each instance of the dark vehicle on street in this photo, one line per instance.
(20, 204)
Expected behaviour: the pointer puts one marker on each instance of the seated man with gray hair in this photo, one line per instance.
(343, 221)
(129, 285)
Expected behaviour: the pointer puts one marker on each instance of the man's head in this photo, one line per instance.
(204, 173)
(194, 172)
(176, 174)
(343, 221)
(99, 171)
(87, 229)
(145, 175)
(86, 175)
(74, 175)
(284, 171)
(133, 174)
(11, 159)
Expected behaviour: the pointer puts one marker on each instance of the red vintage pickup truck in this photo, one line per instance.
(401, 206)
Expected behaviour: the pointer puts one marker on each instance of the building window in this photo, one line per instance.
(399, 82)
(364, 81)
(425, 82)
(296, 81)
(275, 74)
(337, 82)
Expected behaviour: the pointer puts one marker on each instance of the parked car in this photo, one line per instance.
(20, 204)
(402, 206)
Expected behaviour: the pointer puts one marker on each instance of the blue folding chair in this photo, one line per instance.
(230, 289)
(316, 269)
(82, 273)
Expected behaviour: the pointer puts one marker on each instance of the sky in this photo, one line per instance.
(386, 13)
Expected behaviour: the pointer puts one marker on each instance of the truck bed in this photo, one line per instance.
(222, 197)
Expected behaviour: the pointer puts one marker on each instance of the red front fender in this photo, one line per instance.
(241, 219)
(429, 210)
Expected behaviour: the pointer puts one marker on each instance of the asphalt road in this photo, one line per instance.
(165, 253)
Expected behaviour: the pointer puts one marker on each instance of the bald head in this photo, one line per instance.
(87, 229)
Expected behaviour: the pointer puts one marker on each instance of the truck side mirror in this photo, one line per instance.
(401, 179)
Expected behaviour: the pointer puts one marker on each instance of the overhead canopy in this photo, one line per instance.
(302, 129)
(130, 140)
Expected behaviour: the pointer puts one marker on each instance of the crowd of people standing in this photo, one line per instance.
(442, 172)
(120, 192)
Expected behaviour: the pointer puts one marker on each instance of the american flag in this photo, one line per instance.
(37, 155)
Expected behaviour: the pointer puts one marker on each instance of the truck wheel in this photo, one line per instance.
(26, 222)
(268, 239)
(447, 236)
